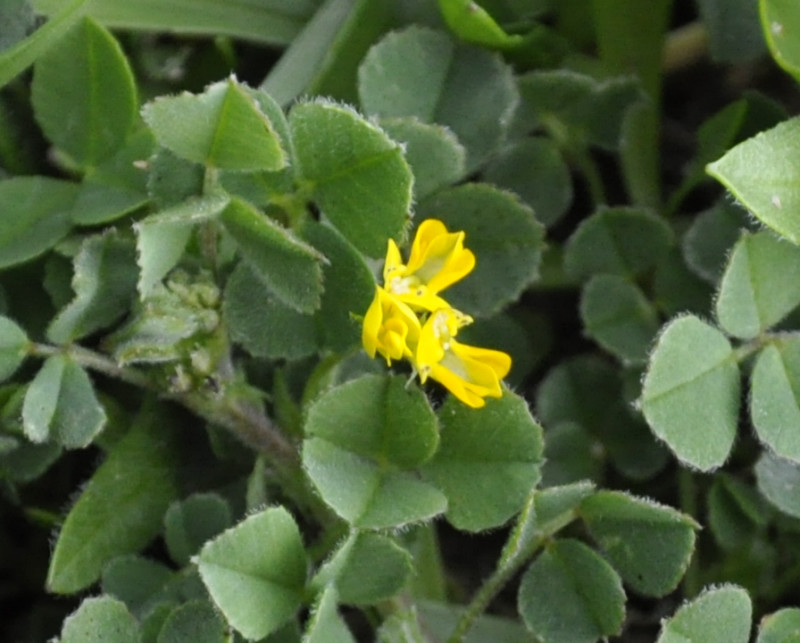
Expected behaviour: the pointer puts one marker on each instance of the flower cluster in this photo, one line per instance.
(409, 320)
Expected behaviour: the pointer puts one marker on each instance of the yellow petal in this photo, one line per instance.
(438, 258)
(393, 266)
(390, 328)
(469, 372)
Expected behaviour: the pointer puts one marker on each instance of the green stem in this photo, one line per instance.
(594, 182)
(485, 594)
(687, 493)
(524, 541)
(249, 423)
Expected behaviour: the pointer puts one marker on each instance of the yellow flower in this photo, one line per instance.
(437, 260)
(468, 372)
(390, 328)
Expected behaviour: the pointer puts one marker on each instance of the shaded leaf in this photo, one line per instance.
(569, 594)
(779, 480)
(188, 524)
(507, 245)
(36, 216)
(290, 268)
(13, 347)
(104, 282)
(619, 241)
(423, 73)
(650, 545)
(121, 508)
(365, 569)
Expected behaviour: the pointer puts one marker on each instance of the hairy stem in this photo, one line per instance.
(247, 422)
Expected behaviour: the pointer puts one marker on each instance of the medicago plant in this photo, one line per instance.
(352, 320)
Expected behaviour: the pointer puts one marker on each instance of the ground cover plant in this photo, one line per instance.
(420, 321)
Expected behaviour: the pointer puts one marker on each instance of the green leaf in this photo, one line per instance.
(782, 626)
(222, 128)
(364, 439)
(488, 460)
(135, 580)
(99, 620)
(272, 22)
(61, 405)
(650, 545)
(757, 289)
(758, 173)
(423, 73)
(172, 180)
(734, 30)
(587, 391)
(117, 186)
(104, 281)
(355, 173)
(17, 19)
(440, 619)
(325, 623)
(578, 390)
(84, 94)
(121, 508)
(15, 60)
(290, 268)
(507, 245)
(779, 20)
(718, 615)
(775, 396)
(546, 512)
(13, 347)
(188, 524)
(571, 595)
(617, 315)
(161, 238)
(577, 109)
(323, 59)
(707, 243)
(349, 287)
(618, 241)
(570, 454)
(195, 621)
(433, 152)
(690, 395)
(736, 511)
(176, 322)
(262, 324)
(779, 481)
(678, 290)
(366, 569)
(472, 23)
(257, 588)
(534, 169)
(36, 216)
